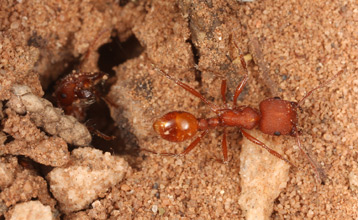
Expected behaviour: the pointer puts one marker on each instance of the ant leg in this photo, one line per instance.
(89, 51)
(109, 102)
(242, 60)
(223, 91)
(212, 106)
(271, 151)
(186, 151)
(194, 143)
(241, 86)
(224, 147)
(223, 84)
(320, 175)
(103, 136)
(153, 152)
(100, 134)
(239, 89)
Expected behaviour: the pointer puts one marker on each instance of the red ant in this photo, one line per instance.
(276, 117)
(78, 90)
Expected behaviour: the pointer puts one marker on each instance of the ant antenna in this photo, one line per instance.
(320, 175)
(320, 86)
(89, 51)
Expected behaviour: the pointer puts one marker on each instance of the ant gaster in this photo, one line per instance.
(275, 117)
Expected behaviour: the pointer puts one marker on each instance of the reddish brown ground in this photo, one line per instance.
(302, 43)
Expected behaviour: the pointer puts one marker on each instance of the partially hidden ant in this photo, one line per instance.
(78, 90)
(275, 117)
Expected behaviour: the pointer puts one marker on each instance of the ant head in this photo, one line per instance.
(64, 93)
(278, 117)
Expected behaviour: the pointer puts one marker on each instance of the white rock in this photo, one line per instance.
(263, 176)
(89, 173)
(32, 210)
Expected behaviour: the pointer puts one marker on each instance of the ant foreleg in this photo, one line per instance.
(241, 86)
(154, 152)
(100, 134)
(239, 89)
(271, 151)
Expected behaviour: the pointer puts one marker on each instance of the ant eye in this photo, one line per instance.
(277, 133)
(63, 95)
(277, 97)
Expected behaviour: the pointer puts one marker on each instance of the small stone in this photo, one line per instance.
(14, 25)
(154, 208)
(32, 210)
(353, 180)
(161, 211)
(310, 214)
(125, 187)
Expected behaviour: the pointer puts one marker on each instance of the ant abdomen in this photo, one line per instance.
(176, 126)
(278, 117)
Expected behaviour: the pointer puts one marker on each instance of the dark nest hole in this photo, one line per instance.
(98, 116)
(196, 54)
(113, 54)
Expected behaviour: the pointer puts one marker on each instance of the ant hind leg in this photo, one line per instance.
(224, 147)
(271, 151)
(186, 151)
(194, 143)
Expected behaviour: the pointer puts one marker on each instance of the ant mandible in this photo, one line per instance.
(275, 117)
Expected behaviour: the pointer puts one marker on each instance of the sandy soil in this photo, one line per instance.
(295, 46)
